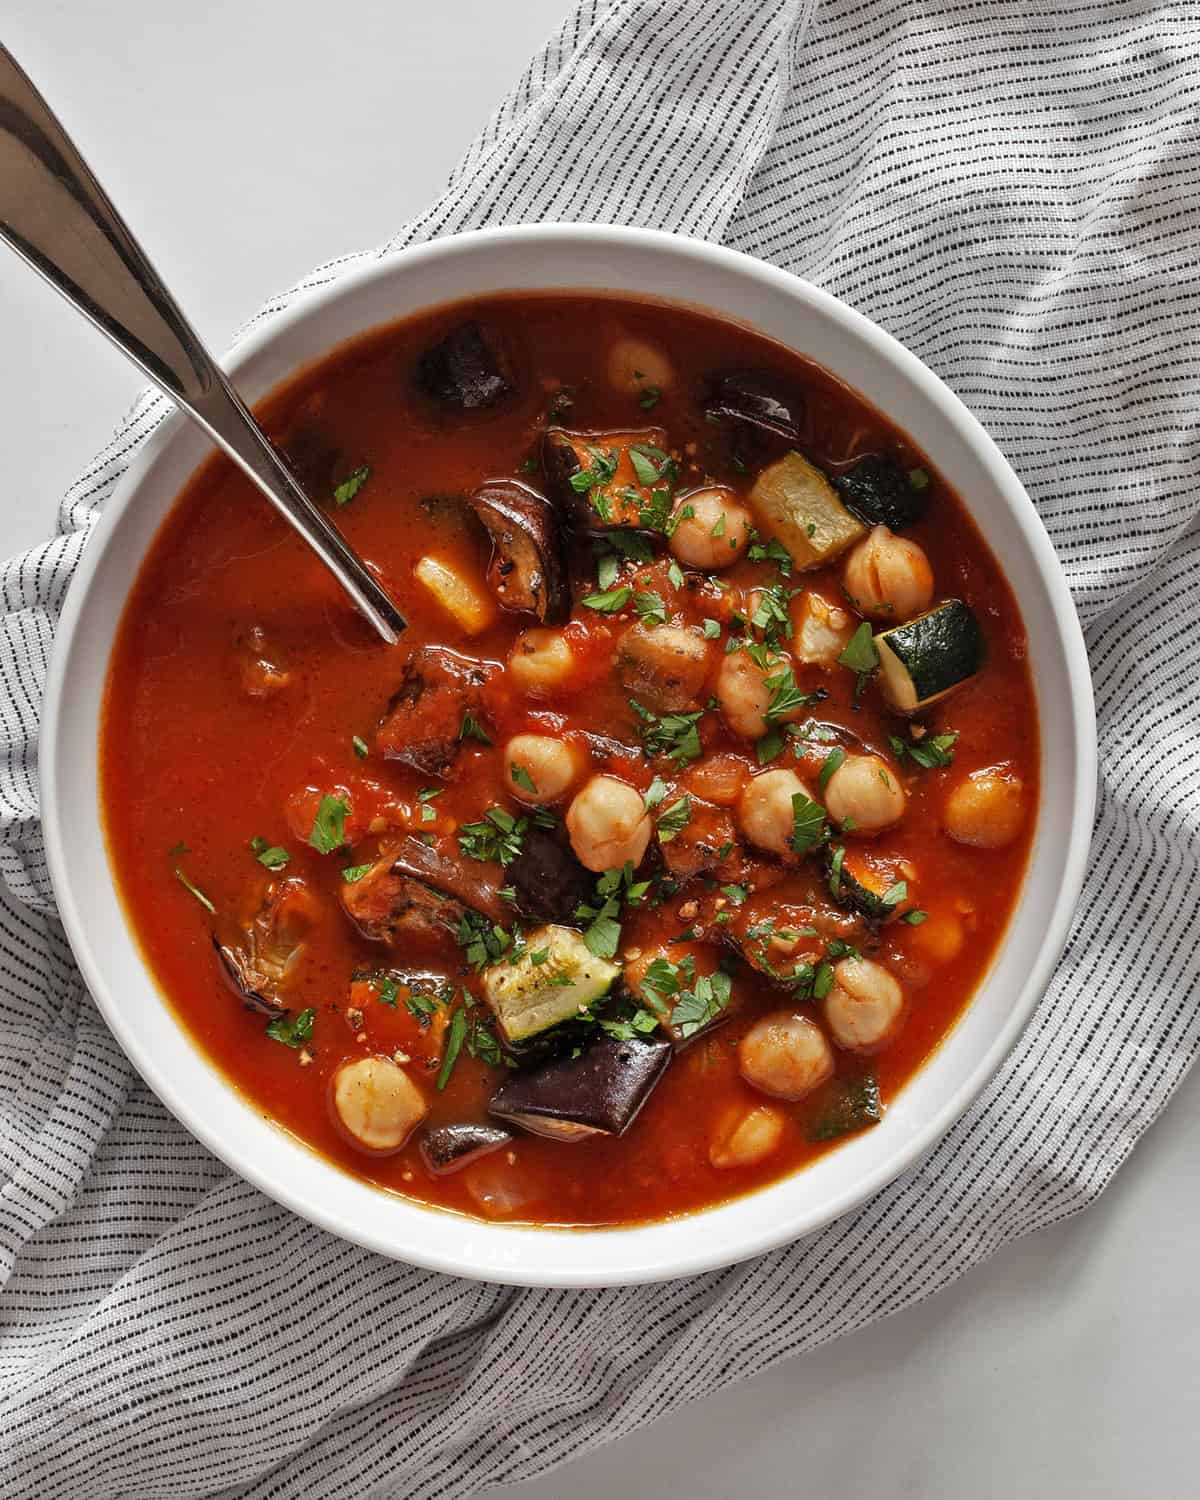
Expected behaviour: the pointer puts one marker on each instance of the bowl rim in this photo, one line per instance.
(699, 1256)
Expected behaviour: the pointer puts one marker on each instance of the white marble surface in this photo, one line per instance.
(249, 139)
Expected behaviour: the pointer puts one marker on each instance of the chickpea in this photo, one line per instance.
(742, 692)
(865, 1007)
(866, 790)
(746, 1137)
(785, 1055)
(765, 810)
(608, 824)
(541, 661)
(550, 765)
(376, 1104)
(635, 366)
(986, 809)
(888, 577)
(714, 534)
(663, 666)
(939, 938)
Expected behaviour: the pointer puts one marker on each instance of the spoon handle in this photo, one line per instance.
(56, 215)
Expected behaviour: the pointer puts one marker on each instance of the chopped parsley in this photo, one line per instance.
(861, 655)
(649, 608)
(650, 398)
(346, 491)
(808, 823)
(712, 629)
(937, 750)
(835, 872)
(915, 917)
(195, 890)
(610, 601)
(675, 735)
(522, 778)
(674, 820)
(655, 792)
(702, 1004)
(497, 836)
(359, 746)
(292, 1033)
(830, 764)
(675, 574)
(735, 893)
(455, 1034)
(273, 856)
(354, 872)
(895, 894)
(603, 467)
(329, 826)
(472, 729)
(771, 551)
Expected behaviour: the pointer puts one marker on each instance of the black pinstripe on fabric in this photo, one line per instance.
(1013, 193)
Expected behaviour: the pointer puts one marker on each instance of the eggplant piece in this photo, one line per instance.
(528, 570)
(594, 479)
(415, 891)
(422, 725)
(259, 967)
(464, 370)
(450, 1148)
(548, 879)
(663, 666)
(754, 399)
(598, 1092)
(882, 493)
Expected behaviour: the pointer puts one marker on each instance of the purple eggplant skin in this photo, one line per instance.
(528, 570)
(598, 1092)
(881, 492)
(758, 400)
(252, 994)
(450, 1148)
(415, 891)
(548, 881)
(464, 370)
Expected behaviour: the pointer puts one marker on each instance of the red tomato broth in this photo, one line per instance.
(186, 755)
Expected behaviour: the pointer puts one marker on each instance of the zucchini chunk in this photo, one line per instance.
(850, 1104)
(598, 1092)
(858, 883)
(881, 493)
(796, 503)
(930, 656)
(528, 997)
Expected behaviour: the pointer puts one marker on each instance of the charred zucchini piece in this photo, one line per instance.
(930, 656)
(598, 1092)
(528, 570)
(881, 493)
(548, 880)
(450, 1148)
(464, 370)
(850, 1104)
(756, 399)
(422, 726)
(414, 891)
(605, 480)
(554, 979)
(857, 882)
(795, 502)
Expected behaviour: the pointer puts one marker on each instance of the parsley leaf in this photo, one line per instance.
(329, 826)
(937, 750)
(675, 735)
(272, 856)
(808, 823)
(472, 729)
(655, 792)
(354, 872)
(609, 602)
(830, 764)
(359, 746)
(291, 1033)
(522, 778)
(195, 890)
(649, 608)
(674, 820)
(702, 1004)
(712, 630)
(455, 1033)
(346, 491)
(860, 654)
(498, 836)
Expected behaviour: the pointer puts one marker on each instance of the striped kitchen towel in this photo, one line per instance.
(1012, 191)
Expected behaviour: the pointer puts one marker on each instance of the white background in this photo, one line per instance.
(248, 140)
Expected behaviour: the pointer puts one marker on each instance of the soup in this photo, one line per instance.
(677, 830)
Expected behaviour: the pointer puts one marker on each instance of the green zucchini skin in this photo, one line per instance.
(938, 650)
(854, 895)
(881, 493)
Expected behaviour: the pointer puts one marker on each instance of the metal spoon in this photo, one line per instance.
(56, 216)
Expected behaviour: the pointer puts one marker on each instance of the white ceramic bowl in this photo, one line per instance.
(806, 319)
